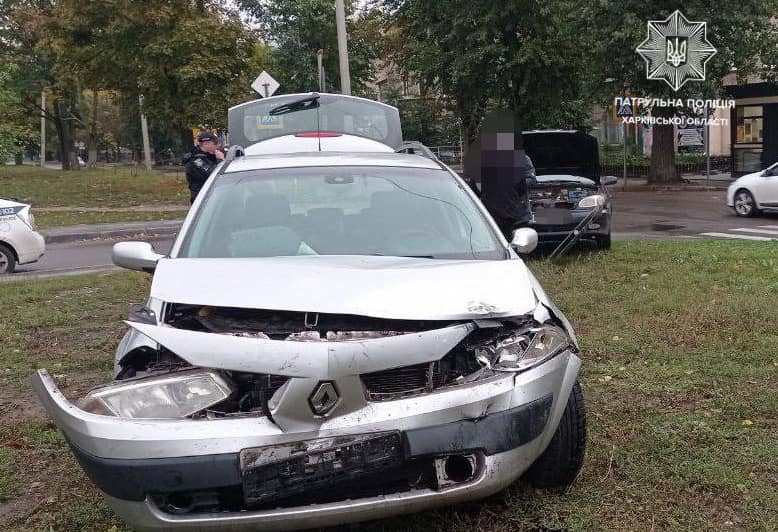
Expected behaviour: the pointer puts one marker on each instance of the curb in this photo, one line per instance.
(668, 188)
(95, 232)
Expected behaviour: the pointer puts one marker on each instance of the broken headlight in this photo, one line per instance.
(523, 349)
(175, 395)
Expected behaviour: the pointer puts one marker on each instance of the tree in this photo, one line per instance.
(23, 42)
(297, 30)
(15, 131)
(518, 54)
(743, 31)
(189, 60)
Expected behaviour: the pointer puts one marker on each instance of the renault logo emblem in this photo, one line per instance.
(324, 398)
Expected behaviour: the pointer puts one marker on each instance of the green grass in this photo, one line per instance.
(102, 187)
(680, 355)
(46, 219)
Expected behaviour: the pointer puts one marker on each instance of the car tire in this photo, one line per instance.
(746, 206)
(562, 460)
(7, 260)
(603, 242)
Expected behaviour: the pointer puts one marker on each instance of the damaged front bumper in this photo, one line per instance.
(463, 443)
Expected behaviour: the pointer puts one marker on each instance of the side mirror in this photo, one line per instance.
(609, 180)
(524, 240)
(138, 256)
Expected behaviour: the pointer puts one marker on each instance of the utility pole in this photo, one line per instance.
(624, 140)
(43, 128)
(144, 129)
(319, 63)
(706, 131)
(340, 20)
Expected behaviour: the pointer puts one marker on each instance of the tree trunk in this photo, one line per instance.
(65, 133)
(92, 139)
(187, 142)
(662, 168)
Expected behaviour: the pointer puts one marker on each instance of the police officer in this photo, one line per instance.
(201, 161)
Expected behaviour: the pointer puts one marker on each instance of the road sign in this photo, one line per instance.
(624, 107)
(265, 85)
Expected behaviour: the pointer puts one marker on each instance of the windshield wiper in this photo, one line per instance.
(309, 102)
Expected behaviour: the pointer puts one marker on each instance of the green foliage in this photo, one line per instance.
(743, 32)
(521, 55)
(297, 30)
(190, 64)
(15, 131)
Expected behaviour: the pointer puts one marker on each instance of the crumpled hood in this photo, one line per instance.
(381, 287)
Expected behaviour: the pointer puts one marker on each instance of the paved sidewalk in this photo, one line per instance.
(73, 233)
(718, 181)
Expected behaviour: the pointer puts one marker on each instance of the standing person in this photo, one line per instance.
(497, 160)
(506, 173)
(201, 161)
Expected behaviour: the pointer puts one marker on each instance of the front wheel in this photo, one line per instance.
(744, 203)
(603, 242)
(7, 260)
(562, 460)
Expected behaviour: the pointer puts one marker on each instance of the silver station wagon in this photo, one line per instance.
(334, 337)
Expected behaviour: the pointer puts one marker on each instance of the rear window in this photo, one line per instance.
(252, 122)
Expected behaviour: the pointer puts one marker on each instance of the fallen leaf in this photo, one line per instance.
(747, 422)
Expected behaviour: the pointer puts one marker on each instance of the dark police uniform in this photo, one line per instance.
(199, 165)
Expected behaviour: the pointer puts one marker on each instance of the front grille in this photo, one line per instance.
(400, 382)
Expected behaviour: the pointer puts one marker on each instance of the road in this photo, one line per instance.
(78, 257)
(684, 214)
(637, 216)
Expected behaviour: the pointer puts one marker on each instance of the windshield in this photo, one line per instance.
(252, 122)
(411, 212)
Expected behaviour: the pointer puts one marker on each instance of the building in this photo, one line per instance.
(753, 124)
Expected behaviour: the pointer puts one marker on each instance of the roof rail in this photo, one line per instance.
(233, 153)
(417, 148)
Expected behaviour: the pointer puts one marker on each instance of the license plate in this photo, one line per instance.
(278, 471)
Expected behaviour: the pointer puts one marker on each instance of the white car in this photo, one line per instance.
(753, 193)
(20, 243)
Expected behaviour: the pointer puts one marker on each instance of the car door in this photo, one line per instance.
(767, 193)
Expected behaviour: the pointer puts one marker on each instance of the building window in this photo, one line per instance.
(749, 125)
(748, 160)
